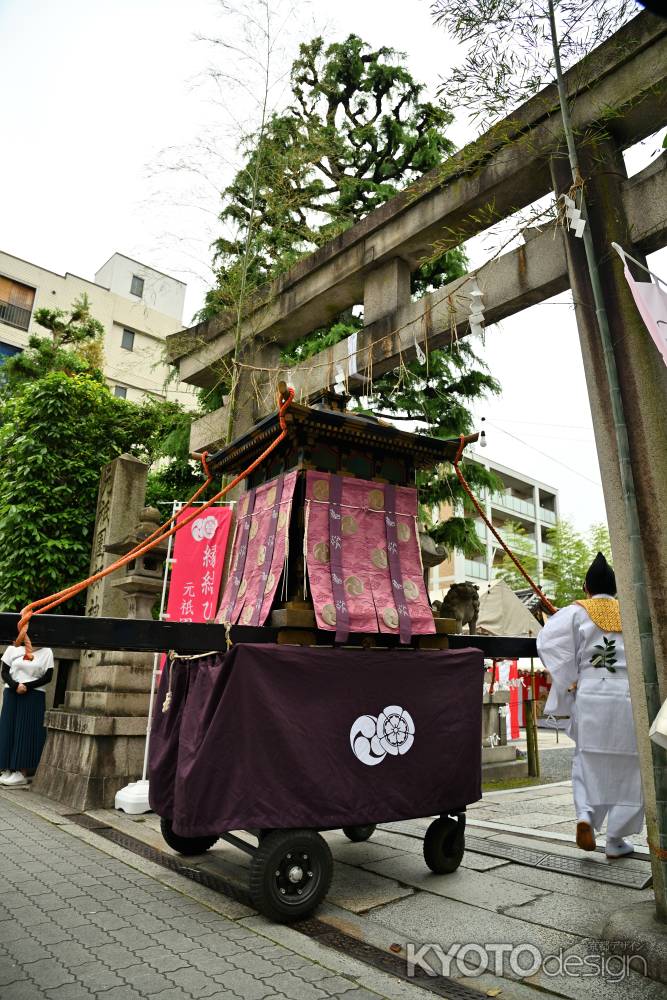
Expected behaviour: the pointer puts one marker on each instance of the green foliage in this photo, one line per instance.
(598, 541)
(41, 357)
(356, 132)
(508, 51)
(59, 425)
(434, 395)
(572, 555)
(75, 347)
(320, 339)
(57, 432)
(571, 558)
(514, 534)
(80, 327)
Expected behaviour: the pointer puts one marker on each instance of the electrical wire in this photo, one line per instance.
(546, 455)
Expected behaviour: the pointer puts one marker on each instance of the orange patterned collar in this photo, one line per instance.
(604, 612)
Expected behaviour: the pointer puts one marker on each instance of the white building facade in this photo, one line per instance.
(522, 501)
(137, 306)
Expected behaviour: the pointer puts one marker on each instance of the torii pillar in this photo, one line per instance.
(643, 384)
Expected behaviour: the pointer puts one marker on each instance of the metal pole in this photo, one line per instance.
(532, 706)
(533, 767)
(650, 674)
(175, 505)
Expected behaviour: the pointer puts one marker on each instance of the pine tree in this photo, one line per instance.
(355, 133)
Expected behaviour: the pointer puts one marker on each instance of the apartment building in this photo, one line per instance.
(137, 306)
(522, 501)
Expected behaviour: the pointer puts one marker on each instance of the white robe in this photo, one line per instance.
(606, 780)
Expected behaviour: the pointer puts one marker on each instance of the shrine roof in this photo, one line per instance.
(334, 426)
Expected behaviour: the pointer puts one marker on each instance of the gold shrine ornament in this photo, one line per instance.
(376, 499)
(390, 617)
(403, 531)
(348, 525)
(321, 489)
(605, 612)
(321, 552)
(329, 614)
(379, 558)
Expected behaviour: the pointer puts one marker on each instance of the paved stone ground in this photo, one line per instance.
(539, 810)
(85, 918)
(76, 923)
(556, 765)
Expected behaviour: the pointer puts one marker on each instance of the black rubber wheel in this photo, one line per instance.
(359, 833)
(185, 845)
(290, 874)
(444, 845)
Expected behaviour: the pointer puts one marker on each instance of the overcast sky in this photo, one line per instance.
(104, 97)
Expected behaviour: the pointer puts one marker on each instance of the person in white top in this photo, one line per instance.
(582, 648)
(22, 732)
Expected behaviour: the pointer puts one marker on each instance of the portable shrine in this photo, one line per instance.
(300, 730)
(327, 544)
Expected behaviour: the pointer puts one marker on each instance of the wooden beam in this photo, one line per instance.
(141, 635)
(148, 636)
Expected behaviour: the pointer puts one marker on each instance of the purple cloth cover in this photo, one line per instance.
(271, 737)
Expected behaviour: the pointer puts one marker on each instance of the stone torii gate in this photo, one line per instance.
(619, 96)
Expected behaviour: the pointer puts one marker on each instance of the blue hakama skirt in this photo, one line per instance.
(22, 732)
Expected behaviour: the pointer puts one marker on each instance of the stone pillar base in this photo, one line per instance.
(88, 758)
(491, 720)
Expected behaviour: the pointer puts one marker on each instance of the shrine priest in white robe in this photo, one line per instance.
(582, 648)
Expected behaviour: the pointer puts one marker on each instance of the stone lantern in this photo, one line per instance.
(142, 578)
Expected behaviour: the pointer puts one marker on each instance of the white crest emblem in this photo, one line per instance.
(204, 527)
(391, 732)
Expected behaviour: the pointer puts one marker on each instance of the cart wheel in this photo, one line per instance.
(185, 845)
(444, 845)
(358, 833)
(290, 874)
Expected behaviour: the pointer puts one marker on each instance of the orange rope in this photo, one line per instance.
(540, 593)
(44, 604)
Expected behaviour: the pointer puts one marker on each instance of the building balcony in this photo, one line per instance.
(509, 502)
(14, 315)
(476, 569)
(481, 530)
(548, 516)
(519, 541)
(547, 551)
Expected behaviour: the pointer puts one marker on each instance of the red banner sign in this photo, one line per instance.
(198, 560)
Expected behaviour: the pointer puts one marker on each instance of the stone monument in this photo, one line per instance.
(95, 744)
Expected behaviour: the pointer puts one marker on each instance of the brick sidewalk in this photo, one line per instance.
(77, 923)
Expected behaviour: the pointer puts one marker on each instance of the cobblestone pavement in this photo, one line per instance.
(78, 923)
(556, 765)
